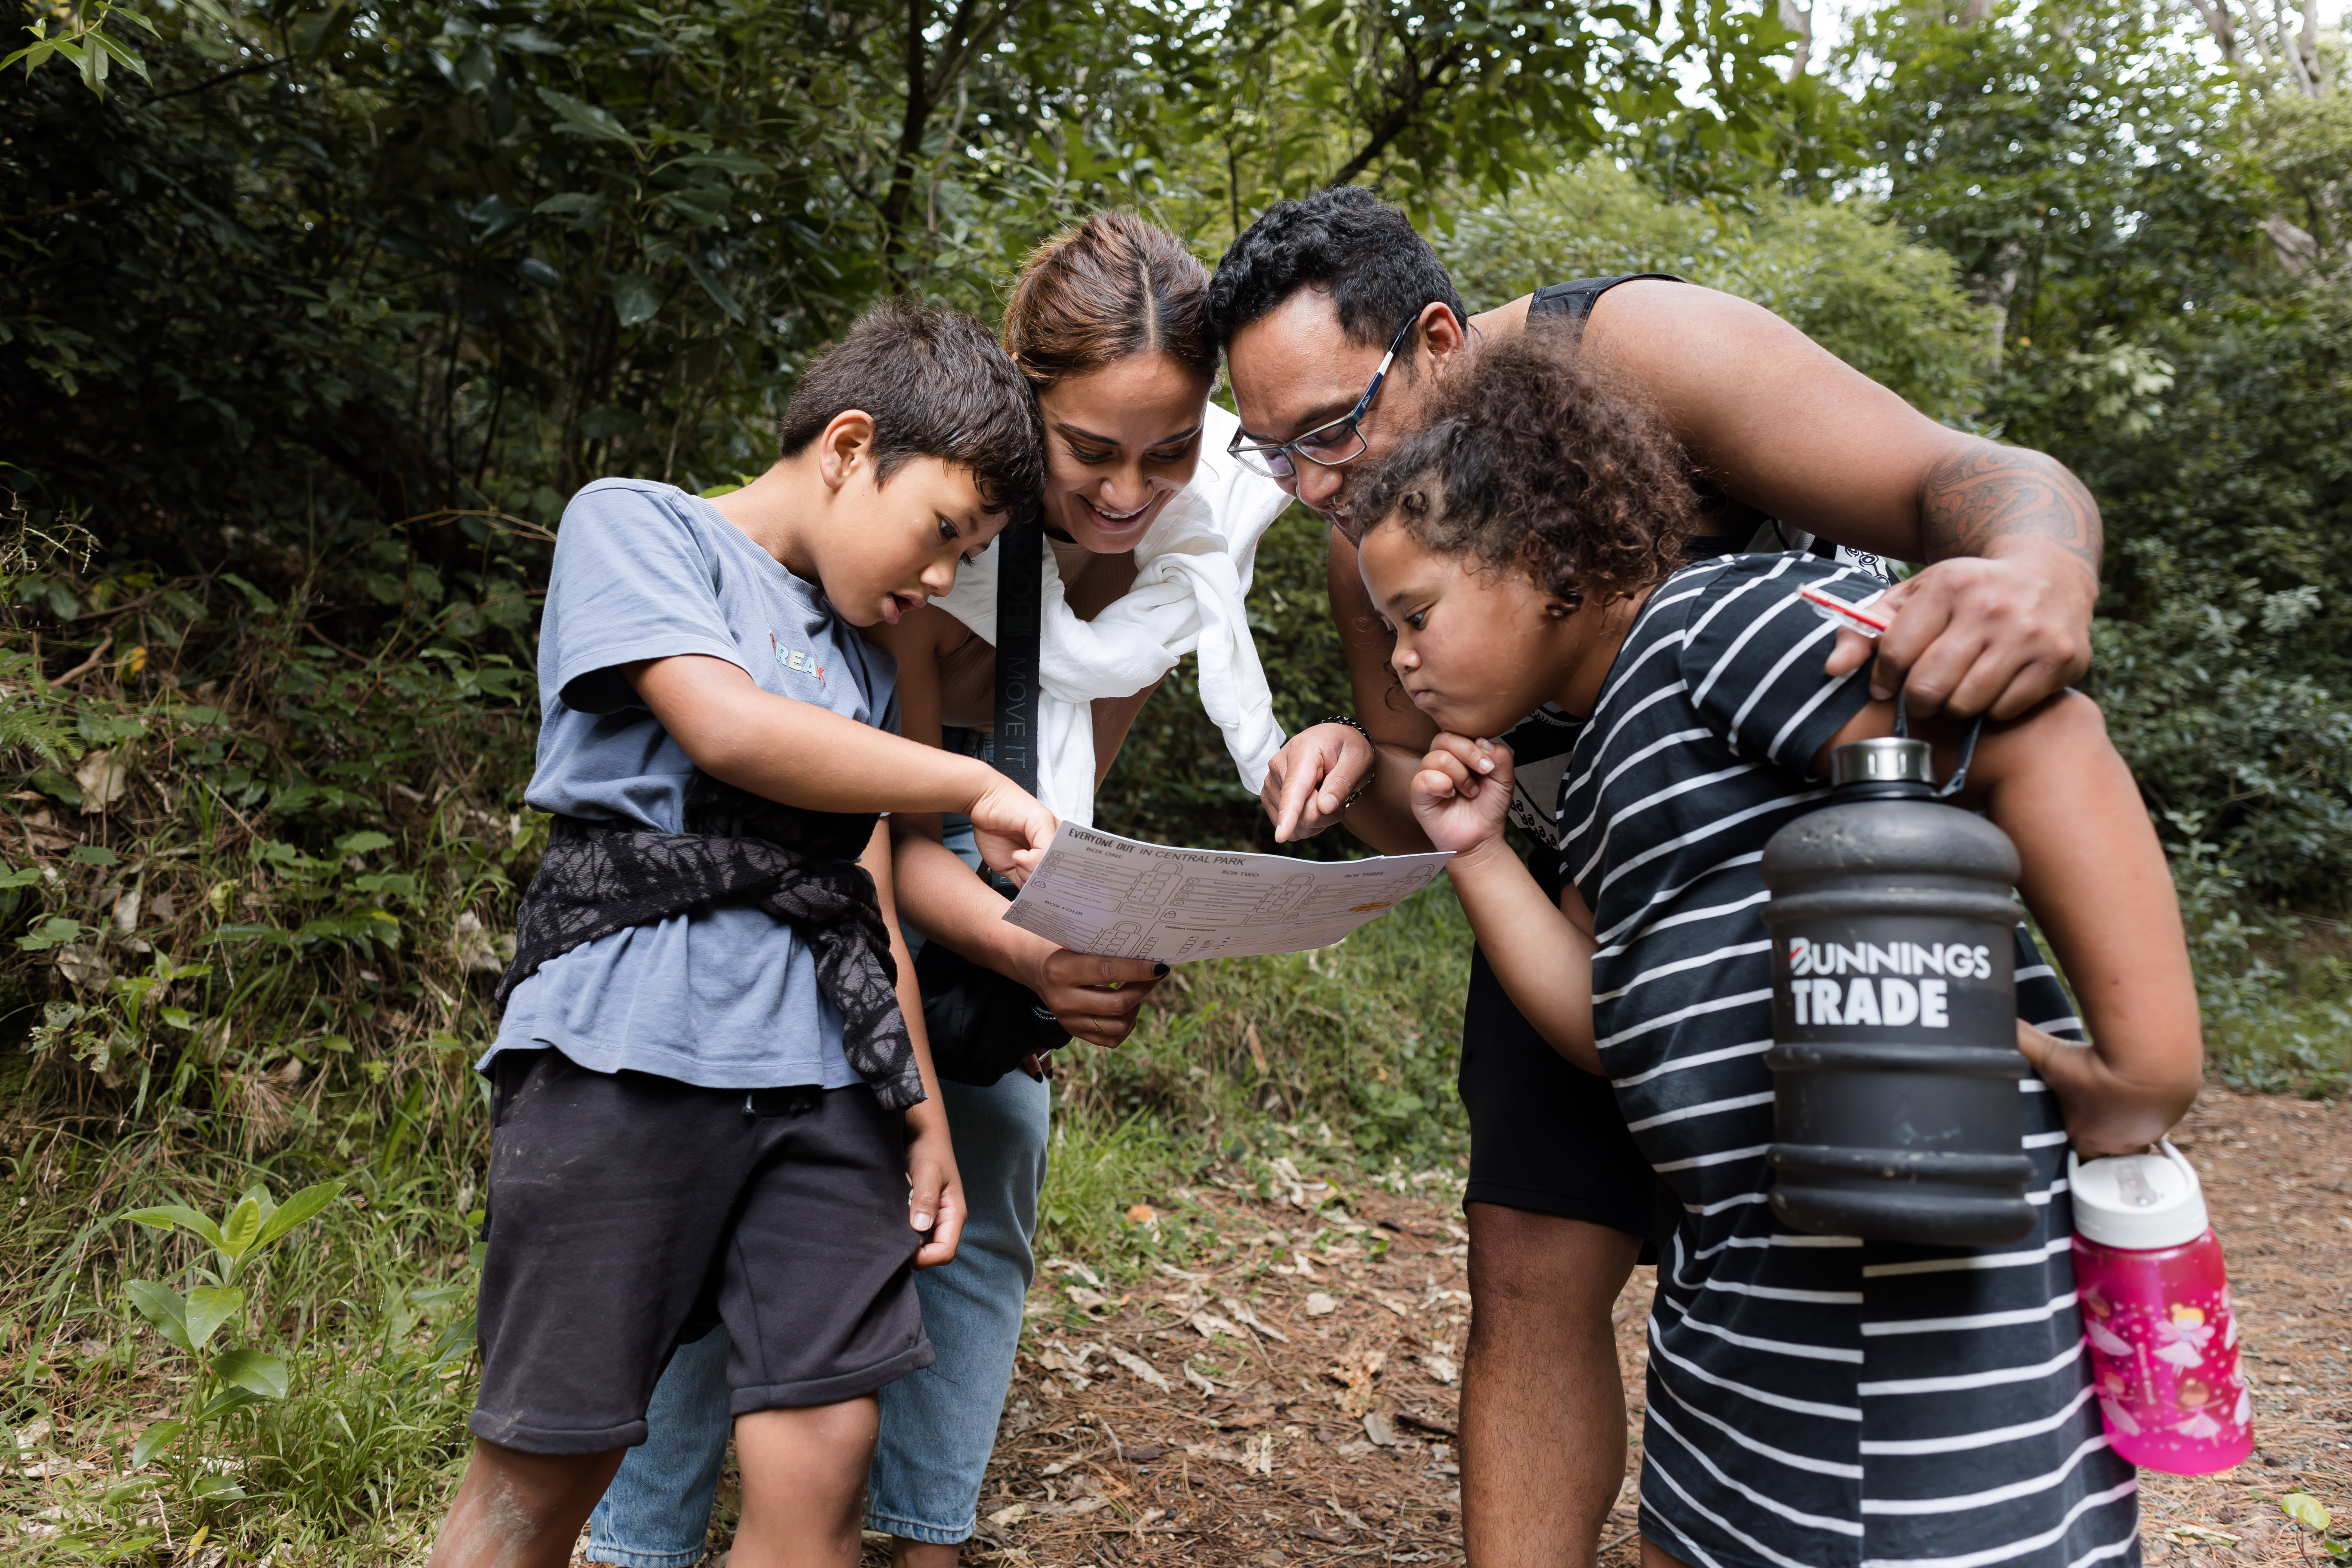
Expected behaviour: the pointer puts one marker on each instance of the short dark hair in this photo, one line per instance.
(1346, 242)
(937, 385)
(1535, 462)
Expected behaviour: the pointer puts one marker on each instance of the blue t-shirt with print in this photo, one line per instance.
(725, 996)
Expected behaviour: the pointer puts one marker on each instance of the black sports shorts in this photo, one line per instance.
(1545, 1135)
(631, 1214)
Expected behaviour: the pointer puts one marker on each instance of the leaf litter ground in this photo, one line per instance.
(1299, 1404)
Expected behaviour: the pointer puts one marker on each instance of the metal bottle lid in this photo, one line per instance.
(2137, 1201)
(1882, 760)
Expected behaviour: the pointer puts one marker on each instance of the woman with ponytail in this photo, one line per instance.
(1150, 529)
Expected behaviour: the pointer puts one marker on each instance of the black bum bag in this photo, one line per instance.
(981, 1024)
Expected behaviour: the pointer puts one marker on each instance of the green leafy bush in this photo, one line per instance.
(227, 1379)
(1841, 271)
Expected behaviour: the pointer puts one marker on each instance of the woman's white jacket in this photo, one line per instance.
(1193, 575)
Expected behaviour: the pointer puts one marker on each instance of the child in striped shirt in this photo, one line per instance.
(1812, 1400)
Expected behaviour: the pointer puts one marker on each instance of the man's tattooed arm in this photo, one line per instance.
(1986, 495)
(2014, 543)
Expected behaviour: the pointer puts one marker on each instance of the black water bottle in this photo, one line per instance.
(1896, 1115)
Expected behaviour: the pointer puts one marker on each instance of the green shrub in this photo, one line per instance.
(1361, 1038)
(1839, 271)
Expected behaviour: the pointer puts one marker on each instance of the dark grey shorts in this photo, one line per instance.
(1545, 1135)
(631, 1214)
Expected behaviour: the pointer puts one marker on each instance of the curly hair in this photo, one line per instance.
(1346, 242)
(1533, 462)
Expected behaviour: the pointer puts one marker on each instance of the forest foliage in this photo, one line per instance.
(313, 316)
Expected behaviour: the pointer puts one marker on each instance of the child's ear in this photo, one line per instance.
(845, 444)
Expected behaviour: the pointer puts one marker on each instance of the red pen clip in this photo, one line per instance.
(1855, 616)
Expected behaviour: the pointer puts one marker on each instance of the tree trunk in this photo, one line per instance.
(901, 192)
(2219, 23)
(1997, 288)
(2258, 29)
(1800, 22)
(1412, 88)
(2280, 46)
(2309, 74)
(927, 88)
(2296, 247)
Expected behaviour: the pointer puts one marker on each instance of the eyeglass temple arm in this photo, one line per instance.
(1379, 376)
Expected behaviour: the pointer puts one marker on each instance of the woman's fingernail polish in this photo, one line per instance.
(1159, 971)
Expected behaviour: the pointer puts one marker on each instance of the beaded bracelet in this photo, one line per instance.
(1356, 794)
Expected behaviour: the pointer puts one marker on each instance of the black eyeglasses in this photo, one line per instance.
(1326, 446)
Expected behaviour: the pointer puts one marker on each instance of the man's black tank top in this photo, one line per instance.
(1574, 298)
(1540, 743)
(1574, 301)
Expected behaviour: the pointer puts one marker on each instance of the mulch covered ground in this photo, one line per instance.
(1298, 1407)
(1298, 1403)
(2278, 1183)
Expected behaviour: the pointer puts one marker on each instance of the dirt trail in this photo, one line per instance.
(1299, 1404)
(2278, 1183)
(1275, 1414)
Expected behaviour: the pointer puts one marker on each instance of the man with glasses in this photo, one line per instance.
(1330, 445)
(1792, 449)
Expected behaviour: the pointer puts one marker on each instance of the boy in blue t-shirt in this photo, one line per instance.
(713, 1102)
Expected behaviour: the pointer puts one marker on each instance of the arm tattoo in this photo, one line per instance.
(1969, 502)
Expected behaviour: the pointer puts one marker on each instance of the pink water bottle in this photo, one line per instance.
(2155, 1307)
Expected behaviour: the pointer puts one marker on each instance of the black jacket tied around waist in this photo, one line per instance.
(598, 877)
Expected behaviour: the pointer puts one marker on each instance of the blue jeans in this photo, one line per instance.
(939, 1425)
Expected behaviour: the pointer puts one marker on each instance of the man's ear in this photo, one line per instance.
(1442, 335)
(845, 444)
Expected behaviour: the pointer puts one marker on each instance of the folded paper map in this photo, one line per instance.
(1097, 892)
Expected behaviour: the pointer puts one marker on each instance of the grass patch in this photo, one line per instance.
(1360, 1039)
(1344, 1058)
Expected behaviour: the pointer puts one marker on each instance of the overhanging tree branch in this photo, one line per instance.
(1416, 88)
(927, 85)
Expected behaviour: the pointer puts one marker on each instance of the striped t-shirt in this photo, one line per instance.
(1541, 741)
(1812, 1400)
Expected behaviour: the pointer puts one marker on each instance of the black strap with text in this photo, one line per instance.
(981, 1024)
(1020, 567)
